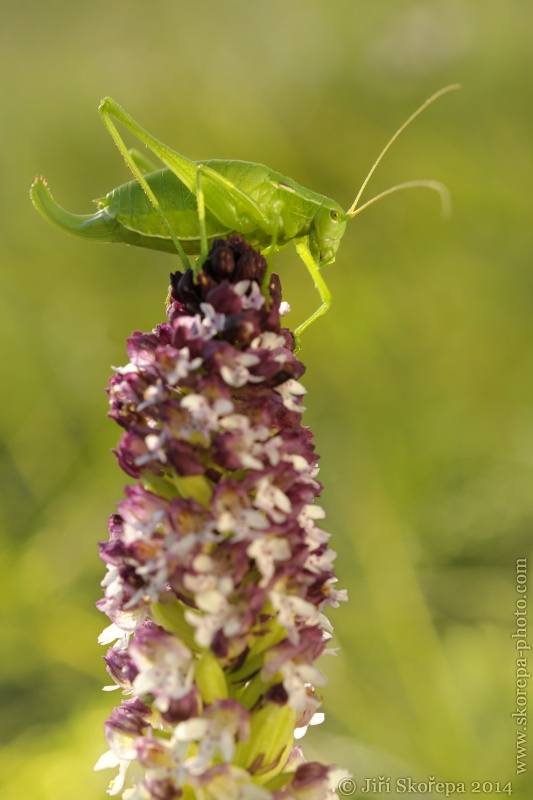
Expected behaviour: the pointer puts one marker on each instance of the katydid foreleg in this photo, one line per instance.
(302, 248)
(270, 253)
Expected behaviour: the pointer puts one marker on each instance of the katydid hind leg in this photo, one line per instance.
(304, 252)
(107, 111)
(182, 167)
(142, 161)
(200, 204)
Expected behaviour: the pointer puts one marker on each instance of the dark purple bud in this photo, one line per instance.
(131, 718)
(184, 708)
(307, 775)
(120, 667)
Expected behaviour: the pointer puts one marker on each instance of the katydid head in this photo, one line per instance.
(329, 224)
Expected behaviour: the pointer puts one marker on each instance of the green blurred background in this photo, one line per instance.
(420, 378)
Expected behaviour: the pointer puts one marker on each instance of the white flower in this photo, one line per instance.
(248, 441)
(166, 670)
(268, 340)
(290, 392)
(204, 415)
(272, 499)
(316, 719)
(291, 607)
(182, 366)
(296, 680)
(211, 318)
(109, 760)
(235, 370)
(265, 552)
(114, 634)
(255, 299)
(155, 446)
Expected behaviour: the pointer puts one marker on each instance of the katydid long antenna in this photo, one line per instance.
(428, 184)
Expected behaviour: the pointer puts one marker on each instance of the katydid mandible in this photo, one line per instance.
(183, 207)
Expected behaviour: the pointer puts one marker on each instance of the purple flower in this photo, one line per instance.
(217, 570)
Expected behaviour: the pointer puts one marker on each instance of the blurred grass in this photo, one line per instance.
(420, 378)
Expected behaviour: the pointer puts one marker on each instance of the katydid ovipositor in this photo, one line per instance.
(183, 207)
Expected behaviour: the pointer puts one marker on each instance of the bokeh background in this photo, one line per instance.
(420, 378)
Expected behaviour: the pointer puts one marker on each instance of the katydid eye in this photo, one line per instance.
(334, 214)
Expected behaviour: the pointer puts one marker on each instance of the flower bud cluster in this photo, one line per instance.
(217, 570)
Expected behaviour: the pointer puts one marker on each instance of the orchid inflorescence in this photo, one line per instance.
(217, 570)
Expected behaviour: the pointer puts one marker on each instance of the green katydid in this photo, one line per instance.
(183, 207)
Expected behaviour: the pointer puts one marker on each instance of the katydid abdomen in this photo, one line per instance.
(126, 214)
